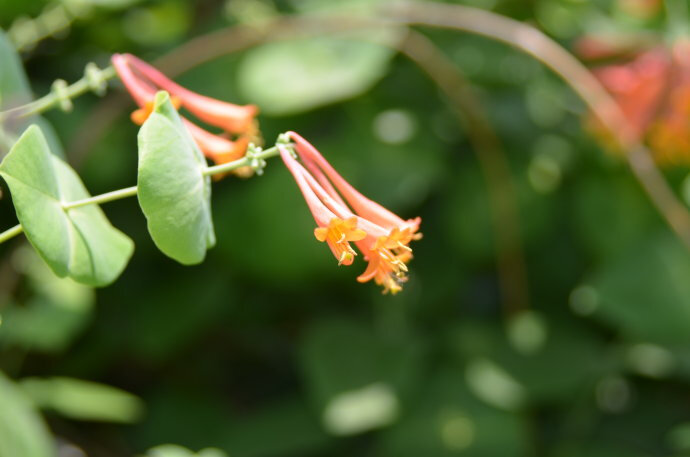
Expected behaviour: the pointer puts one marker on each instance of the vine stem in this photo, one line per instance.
(492, 158)
(10, 233)
(59, 16)
(252, 159)
(93, 80)
(102, 198)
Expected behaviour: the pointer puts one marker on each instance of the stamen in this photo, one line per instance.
(401, 265)
(344, 256)
(405, 247)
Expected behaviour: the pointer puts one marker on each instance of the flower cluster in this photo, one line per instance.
(653, 91)
(345, 216)
(237, 122)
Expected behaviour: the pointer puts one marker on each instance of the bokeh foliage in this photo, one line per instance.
(267, 349)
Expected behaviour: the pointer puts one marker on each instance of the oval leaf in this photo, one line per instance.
(84, 400)
(79, 242)
(22, 432)
(288, 77)
(173, 192)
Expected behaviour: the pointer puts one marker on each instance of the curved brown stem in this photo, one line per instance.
(535, 43)
(512, 270)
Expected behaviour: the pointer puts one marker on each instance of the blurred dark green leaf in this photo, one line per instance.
(53, 315)
(447, 420)
(294, 76)
(22, 431)
(645, 293)
(15, 91)
(355, 377)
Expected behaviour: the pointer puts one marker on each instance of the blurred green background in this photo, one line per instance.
(268, 349)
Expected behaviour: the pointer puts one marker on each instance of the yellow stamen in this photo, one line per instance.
(338, 234)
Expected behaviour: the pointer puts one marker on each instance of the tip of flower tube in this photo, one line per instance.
(140, 115)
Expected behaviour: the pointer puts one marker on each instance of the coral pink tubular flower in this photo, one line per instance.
(230, 117)
(215, 147)
(139, 90)
(336, 232)
(363, 206)
(382, 236)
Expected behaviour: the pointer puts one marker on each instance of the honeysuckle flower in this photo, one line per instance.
(143, 81)
(653, 90)
(230, 117)
(344, 215)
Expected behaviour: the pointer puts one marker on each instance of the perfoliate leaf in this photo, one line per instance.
(22, 432)
(173, 192)
(79, 242)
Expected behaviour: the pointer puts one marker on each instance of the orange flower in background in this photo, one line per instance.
(653, 91)
(344, 215)
(143, 81)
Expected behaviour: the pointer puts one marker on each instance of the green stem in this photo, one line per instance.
(26, 33)
(10, 233)
(218, 169)
(93, 80)
(248, 160)
(103, 198)
(243, 162)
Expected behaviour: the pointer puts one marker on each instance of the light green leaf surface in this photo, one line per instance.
(173, 192)
(79, 242)
(289, 77)
(22, 432)
(84, 400)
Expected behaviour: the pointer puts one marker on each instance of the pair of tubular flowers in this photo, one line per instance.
(143, 81)
(345, 216)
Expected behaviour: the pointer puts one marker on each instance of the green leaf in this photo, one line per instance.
(173, 450)
(55, 312)
(15, 91)
(173, 192)
(79, 242)
(84, 400)
(551, 372)
(289, 422)
(14, 86)
(447, 420)
(22, 431)
(344, 373)
(645, 293)
(289, 77)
